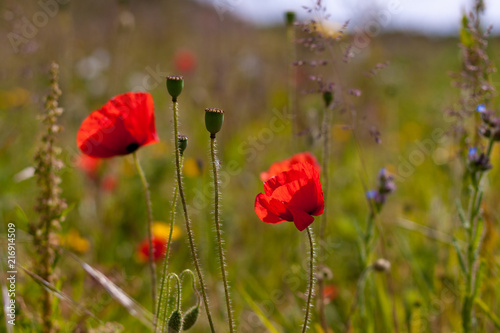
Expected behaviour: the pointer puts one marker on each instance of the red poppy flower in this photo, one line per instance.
(89, 165)
(185, 61)
(292, 195)
(120, 127)
(330, 292)
(286, 164)
(159, 249)
(109, 183)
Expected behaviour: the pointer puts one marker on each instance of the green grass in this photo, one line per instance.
(266, 264)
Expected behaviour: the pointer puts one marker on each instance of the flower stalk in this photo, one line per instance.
(312, 280)
(173, 84)
(162, 298)
(151, 263)
(215, 164)
(474, 243)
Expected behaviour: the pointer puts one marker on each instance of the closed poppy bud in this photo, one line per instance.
(213, 120)
(190, 317)
(175, 322)
(175, 84)
(182, 142)
(328, 98)
(289, 18)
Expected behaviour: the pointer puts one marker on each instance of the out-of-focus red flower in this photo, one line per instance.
(184, 61)
(120, 127)
(159, 249)
(292, 195)
(287, 164)
(109, 183)
(330, 292)
(89, 165)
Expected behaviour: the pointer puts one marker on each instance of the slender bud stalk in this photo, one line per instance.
(218, 228)
(194, 254)
(162, 299)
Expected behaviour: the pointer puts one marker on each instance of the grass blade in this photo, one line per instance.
(257, 311)
(487, 311)
(78, 308)
(134, 308)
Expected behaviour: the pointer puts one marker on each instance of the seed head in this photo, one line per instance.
(175, 84)
(214, 118)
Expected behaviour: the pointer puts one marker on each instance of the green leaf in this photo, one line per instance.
(459, 254)
(21, 215)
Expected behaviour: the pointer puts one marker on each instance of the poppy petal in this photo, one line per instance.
(121, 126)
(266, 211)
(301, 219)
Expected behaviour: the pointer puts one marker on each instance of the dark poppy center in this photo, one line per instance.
(132, 147)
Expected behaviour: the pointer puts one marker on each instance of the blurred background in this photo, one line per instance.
(234, 55)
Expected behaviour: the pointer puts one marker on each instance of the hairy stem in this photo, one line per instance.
(161, 301)
(194, 254)
(152, 266)
(219, 237)
(311, 279)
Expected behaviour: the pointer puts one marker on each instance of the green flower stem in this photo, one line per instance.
(219, 237)
(311, 279)
(161, 301)
(472, 248)
(152, 266)
(186, 218)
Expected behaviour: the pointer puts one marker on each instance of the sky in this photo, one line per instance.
(427, 16)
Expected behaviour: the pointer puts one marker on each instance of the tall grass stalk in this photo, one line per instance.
(474, 243)
(151, 263)
(324, 218)
(194, 254)
(291, 73)
(50, 206)
(215, 165)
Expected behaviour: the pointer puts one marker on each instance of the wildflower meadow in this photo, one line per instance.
(171, 166)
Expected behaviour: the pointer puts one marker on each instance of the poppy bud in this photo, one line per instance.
(190, 317)
(327, 98)
(382, 265)
(289, 18)
(182, 142)
(213, 120)
(175, 83)
(175, 322)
